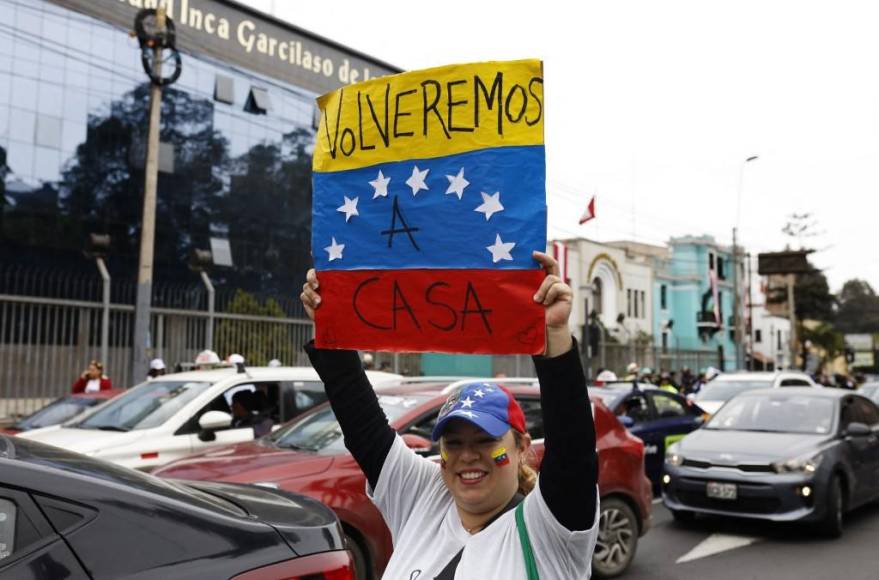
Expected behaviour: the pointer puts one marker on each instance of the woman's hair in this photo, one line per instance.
(98, 365)
(527, 475)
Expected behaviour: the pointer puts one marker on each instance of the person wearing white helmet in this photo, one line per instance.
(274, 363)
(157, 369)
(631, 372)
(235, 359)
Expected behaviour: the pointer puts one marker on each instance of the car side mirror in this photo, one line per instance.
(213, 420)
(417, 443)
(858, 430)
(626, 421)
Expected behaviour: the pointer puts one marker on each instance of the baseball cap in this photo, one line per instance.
(489, 406)
(157, 364)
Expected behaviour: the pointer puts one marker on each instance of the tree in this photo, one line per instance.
(813, 298)
(858, 310)
(258, 341)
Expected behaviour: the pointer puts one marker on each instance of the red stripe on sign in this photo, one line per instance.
(464, 311)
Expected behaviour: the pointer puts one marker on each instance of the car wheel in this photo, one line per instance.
(831, 524)
(683, 516)
(617, 538)
(361, 565)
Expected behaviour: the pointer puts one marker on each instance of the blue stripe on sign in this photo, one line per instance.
(443, 230)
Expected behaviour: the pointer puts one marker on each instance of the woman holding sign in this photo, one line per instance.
(479, 513)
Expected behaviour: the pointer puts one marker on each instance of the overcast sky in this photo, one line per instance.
(654, 105)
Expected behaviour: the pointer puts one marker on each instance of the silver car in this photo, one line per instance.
(724, 387)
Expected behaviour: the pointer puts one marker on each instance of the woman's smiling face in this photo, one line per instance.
(478, 483)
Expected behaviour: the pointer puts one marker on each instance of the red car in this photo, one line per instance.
(61, 410)
(308, 456)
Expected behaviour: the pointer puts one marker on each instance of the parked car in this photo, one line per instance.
(871, 391)
(658, 417)
(178, 414)
(61, 410)
(308, 456)
(798, 454)
(64, 515)
(713, 395)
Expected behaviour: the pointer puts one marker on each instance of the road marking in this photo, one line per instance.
(657, 500)
(715, 544)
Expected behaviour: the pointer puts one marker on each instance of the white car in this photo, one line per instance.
(724, 387)
(178, 414)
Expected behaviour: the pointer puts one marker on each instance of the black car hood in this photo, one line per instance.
(306, 524)
(733, 447)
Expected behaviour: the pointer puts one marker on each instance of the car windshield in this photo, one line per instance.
(776, 413)
(57, 412)
(319, 431)
(145, 406)
(726, 390)
(609, 397)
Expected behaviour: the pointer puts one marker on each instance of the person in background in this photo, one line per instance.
(92, 379)
(368, 362)
(666, 384)
(631, 372)
(274, 363)
(157, 369)
(687, 379)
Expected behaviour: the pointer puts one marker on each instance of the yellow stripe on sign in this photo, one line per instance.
(431, 113)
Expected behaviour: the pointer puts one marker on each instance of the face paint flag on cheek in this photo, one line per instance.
(500, 456)
(443, 458)
(429, 195)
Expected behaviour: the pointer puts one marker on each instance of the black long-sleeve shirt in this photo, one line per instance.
(569, 472)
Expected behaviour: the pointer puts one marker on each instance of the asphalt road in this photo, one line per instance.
(746, 550)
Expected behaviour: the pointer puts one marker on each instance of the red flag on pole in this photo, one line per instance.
(590, 211)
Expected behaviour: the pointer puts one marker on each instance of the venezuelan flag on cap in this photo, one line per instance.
(429, 197)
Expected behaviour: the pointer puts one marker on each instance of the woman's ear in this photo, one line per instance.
(525, 443)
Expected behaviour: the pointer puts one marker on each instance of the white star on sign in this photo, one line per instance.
(478, 393)
(457, 183)
(500, 250)
(491, 204)
(416, 181)
(335, 250)
(381, 185)
(349, 208)
(466, 403)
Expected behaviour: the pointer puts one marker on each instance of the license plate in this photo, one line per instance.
(722, 490)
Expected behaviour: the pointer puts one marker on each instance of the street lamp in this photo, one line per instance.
(737, 331)
(96, 247)
(200, 261)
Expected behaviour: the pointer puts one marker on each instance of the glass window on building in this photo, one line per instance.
(629, 302)
(663, 296)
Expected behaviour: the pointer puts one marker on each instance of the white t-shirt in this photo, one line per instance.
(93, 386)
(427, 531)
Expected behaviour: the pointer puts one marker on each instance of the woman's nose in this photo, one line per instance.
(469, 453)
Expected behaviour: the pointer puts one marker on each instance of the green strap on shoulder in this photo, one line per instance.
(530, 564)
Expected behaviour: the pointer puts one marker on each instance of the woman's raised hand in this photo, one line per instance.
(310, 297)
(557, 299)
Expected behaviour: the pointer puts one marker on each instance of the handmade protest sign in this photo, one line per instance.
(429, 197)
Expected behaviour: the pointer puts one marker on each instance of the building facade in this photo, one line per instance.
(694, 298)
(236, 136)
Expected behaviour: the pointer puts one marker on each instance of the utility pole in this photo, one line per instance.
(750, 316)
(737, 332)
(155, 32)
(792, 316)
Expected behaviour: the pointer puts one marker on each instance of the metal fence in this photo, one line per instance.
(52, 325)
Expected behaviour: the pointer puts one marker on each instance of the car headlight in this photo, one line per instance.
(672, 457)
(805, 464)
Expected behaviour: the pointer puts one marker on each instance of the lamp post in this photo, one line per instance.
(737, 331)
